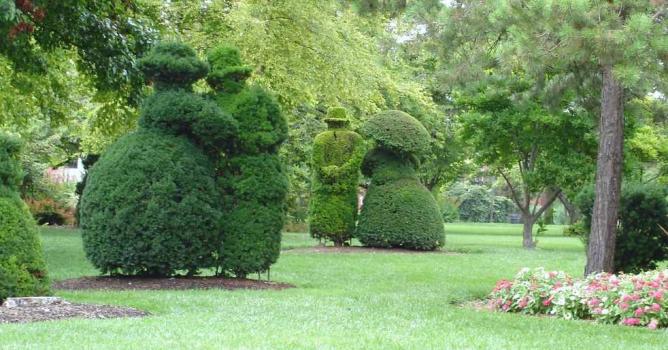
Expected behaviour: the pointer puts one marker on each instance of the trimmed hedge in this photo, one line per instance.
(151, 205)
(254, 182)
(173, 65)
(398, 210)
(643, 210)
(22, 266)
(336, 159)
(398, 132)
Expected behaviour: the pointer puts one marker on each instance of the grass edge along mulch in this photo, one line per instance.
(169, 283)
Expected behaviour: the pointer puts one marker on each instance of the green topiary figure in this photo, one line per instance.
(22, 266)
(398, 210)
(337, 155)
(151, 205)
(253, 180)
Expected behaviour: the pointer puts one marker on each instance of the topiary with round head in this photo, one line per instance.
(336, 159)
(228, 73)
(151, 205)
(173, 65)
(398, 210)
(22, 266)
(398, 132)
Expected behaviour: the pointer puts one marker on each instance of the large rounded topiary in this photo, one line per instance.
(22, 267)
(337, 155)
(398, 210)
(151, 205)
(254, 181)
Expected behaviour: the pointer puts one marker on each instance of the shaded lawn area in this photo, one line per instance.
(350, 300)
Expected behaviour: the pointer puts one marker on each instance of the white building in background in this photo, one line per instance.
(71, 172)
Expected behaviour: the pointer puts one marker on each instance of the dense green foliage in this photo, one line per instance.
(22, 267)
(641, 242)
(476, 203)
(313, 55)
(108, 36)
(336, 160)
(398, 132)
(254, 183)
(173, 65)
(151, 205)
(398, 210)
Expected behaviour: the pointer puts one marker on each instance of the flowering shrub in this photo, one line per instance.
(632, 300)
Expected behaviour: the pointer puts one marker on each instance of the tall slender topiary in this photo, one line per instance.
(151, 205)
(253, 179)
(337, 155)
(22, 266)
(398, 210)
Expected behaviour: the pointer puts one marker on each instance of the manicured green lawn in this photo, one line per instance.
(350, 300)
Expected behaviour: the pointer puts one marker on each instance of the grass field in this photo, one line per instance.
(347, 301)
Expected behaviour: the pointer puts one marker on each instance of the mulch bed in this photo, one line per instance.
(175, 283)
(356, 249)
(63, 310)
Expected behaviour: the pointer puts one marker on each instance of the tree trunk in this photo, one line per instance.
(571, 210)
(527, 232)
(601, 249)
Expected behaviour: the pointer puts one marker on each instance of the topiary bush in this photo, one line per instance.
(254, 183)
(22, 266)
(643, 210)
(337, 155)
(398, 210)
(151, 204)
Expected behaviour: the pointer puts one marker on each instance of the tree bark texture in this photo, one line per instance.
(601, 248)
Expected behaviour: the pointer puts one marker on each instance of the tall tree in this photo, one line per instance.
(536, 152)
(605, 50)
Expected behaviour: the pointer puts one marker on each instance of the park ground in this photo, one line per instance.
(365, 300)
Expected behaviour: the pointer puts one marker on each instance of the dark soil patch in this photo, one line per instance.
(356, 249)
(63, 310)
(174, 283)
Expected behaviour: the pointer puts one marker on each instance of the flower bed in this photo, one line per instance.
(632, 300)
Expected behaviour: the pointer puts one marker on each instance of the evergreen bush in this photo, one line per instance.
(643, 210)
(254, 183)
(398, 210)
(337, 155)
(22, 266)
(151, 205)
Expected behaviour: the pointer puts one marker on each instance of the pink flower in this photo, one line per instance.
(631, 321)
(653, 324)
(548, 301)
(523, 302)
(594, 302)
(658, 295)
(502, 284)
(655, 307)
(626, 298)
(623, 306)
(639, 312)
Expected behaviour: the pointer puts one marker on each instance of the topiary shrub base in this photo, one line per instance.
(151, 207)
(398, 210)
(401, 214)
